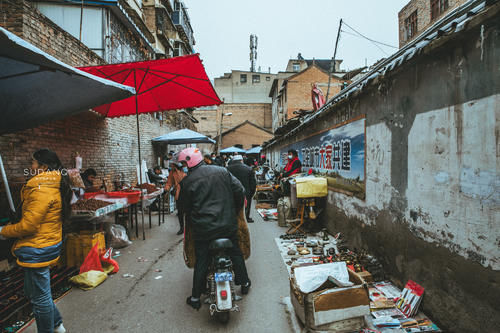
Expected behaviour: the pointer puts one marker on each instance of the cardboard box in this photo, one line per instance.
(339, 309)
(365, 276)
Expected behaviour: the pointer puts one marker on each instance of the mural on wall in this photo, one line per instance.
(337, 153)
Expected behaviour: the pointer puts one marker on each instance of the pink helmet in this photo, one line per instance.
(192, 156)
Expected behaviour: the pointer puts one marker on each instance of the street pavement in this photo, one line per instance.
(148, 303)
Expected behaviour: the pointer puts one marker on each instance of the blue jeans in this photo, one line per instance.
(37, 289)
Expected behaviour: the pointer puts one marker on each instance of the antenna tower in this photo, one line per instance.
(253, 52)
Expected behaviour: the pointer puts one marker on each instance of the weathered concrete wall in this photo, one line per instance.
(431, 211)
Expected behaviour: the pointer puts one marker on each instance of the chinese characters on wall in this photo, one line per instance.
(337, 152)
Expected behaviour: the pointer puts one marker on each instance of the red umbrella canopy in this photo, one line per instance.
(165, 84)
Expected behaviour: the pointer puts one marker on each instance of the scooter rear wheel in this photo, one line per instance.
(222, 317)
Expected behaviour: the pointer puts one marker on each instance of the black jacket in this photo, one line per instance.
(295, 166)
(210, 196)
(245, 175)
(218, 161)
(153, 177)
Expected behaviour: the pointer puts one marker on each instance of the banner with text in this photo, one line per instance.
(339, 153)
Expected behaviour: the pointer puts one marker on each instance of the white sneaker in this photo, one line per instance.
(60, 329)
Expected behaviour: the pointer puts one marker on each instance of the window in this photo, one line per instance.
(255, 78)
(268, 78)
(296, 67)
(203, 118)
(438, 7)
(92, 25)
(177, 5)
(177, 49)
(243, 78)
(411, 25)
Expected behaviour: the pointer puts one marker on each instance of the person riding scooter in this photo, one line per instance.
(211, 197)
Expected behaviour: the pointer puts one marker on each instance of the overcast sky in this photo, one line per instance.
(284, 28)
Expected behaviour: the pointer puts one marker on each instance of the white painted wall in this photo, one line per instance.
(453, 181)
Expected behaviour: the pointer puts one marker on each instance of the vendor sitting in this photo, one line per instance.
(293, 166)
(154, 175)
(88, 177)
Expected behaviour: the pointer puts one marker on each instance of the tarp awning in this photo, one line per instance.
(165, 84)
(254, 150)
(36, 87)
(183, 136)
(232, 150)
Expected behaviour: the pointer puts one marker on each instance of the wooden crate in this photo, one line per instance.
(338, 309)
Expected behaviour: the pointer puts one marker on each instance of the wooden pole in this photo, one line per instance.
(81, 21)
(332, 65)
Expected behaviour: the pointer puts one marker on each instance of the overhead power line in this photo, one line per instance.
(355, 35)
(370, 39)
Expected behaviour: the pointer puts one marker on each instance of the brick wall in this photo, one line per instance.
(208, 121)
(423, 8)
(246, 135)
(107, 145)
(257, 113)
(298, 90)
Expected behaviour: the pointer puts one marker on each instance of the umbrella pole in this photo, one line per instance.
(140, 159)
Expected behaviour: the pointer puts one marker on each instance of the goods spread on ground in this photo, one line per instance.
(334, 288)
(268, 214)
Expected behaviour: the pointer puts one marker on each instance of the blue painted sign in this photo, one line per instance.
(339, 153)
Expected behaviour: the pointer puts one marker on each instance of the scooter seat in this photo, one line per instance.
(221, 243)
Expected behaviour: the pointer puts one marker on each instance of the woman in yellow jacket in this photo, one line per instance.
(46, 202)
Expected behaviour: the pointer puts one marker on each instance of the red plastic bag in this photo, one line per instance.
(92, 262)
(106, 258)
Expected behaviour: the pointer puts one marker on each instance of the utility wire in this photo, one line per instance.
(371, 40)
(355, 35)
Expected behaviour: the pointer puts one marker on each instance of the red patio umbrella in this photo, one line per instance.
(165, 84)
(160, 85)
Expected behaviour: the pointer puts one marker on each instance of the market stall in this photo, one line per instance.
(94, 208)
